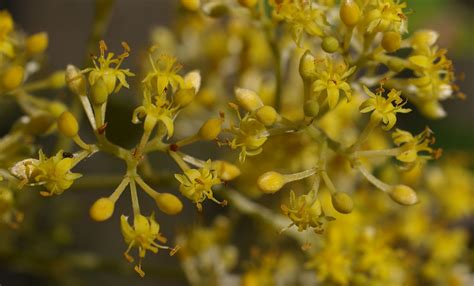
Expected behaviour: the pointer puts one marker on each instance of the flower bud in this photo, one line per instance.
(391, 41)
(396, 64)
(307, 66)
(342, 202)
(210, 129)
(248, 99)
(193, 80)
(271, 182)
(56, 108)
(57, 79)
(311, 108)
(13, 77)
(102, 209)
(403, 195)
(330, 44)
(225, 170)
(169, 203)
(349, 13)
(248, 3)
(99, 93)
(266, 115)
(67, 124)
(75, 80)
(184, 96)
(191, 5)
(37, 43)
(215, 9)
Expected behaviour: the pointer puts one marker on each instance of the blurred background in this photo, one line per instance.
(68, 23)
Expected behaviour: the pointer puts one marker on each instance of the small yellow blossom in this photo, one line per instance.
(301, 16)
(306, 212)
(384, 109)
(165, 73)
(332, 78)
(196, 184)
(153, 110)
(103, 70)
(411, 145)
(142, 235)
(385, 15)
(55, 174)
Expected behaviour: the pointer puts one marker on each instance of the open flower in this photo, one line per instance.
(305, 212)
(411, 146)
(382, 108)
(385, 16)
(153, 110)
(55, 173)
(103, 70)
(332, 78)
(301, 16)
(196, 184)
(165, 73)
(142, 235)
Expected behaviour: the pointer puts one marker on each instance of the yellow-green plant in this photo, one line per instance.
(318, 89)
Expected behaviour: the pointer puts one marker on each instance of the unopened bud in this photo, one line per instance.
(225, 170)
(342, 202)
(248, 99)
(267, 115)
(403, 195)
(210, 129)
(67, 124)
(169, 203)
(330, 44)
(349, 13)
(75, 80)
(13, 77)
(391, 41)
(98, 92)
(102, 209)
(271, 182)
(248, 3)
(191, 5)
(307, 66)
(311, 108)
(37, 43)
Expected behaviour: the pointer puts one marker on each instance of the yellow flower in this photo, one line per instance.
(6, 26)
(165, 73)
(412, 145)
(301, 16)
(306, 212)
(332, 78)
(196, 184)
(55, 173)
(153, 110)
(250, 135)
(382, 108)
(385, 16)
(142, 235)
(103, 70)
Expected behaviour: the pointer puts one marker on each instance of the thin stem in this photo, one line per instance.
(300, 175)
(373, 122)
(372, 179)
(328, 182)
(177, 158)
(81, 143)
(377, 153)
(134, 195)
(119, 190)
(88, 109)
(149, 190)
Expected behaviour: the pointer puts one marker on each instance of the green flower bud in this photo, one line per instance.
(330, 44)
(311, 108)
(342, 202)
(99, 93)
